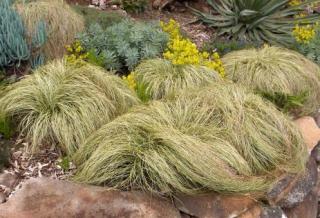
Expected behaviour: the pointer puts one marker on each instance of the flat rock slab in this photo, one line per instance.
(46, 198)
(217, 206)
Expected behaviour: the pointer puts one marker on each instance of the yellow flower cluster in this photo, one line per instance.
(130, 80)
(303, 34)
(182, 51)
(295, 2)
(76, 53)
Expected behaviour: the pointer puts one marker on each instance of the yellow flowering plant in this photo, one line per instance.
(182, 51)
(295, 2)
(303, 34)
(140, 89)
(76, 54)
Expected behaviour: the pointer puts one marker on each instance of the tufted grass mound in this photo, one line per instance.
(62, 23)
(161, 78)
(276, 72)
(62, 104)
(220, 138)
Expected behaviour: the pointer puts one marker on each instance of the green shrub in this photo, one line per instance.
(62, 104)
(311, 49)
(160, 78)
(4, 153)
(276, 70)
(220, 138)
(92, 16)
(15, 48)
(271, 21)
(125, 44)
(285, 102)
(225, 46)
(6, 128)
(135, 6)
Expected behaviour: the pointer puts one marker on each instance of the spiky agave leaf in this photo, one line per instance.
(271, 21)
(220, 138)
(64, 104)
(276, 70)
(62, 23)
(161, 78)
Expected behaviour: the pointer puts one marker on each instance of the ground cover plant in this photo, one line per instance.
(123, 45)
(61, 22)
(224, 46)
(277, 71)
(62, 104)
(219, 138)
(265, 20)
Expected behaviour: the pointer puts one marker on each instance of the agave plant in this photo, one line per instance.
(270, 21)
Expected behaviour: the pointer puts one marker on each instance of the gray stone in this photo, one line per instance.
(291, 189)
(272, 212)
(307, 209)
(315, 153)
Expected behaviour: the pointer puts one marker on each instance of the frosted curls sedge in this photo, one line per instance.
(62, 23)
(274, 69)
(61, 104)
(161, 78)
(220, 138)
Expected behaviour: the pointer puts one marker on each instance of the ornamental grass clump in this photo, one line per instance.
(161, 78)
(220, 138)
(62, 23)
(275, 70)
(62, 104)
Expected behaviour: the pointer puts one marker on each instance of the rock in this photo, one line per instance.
(114, 7)
(262, 212)
(44, 198)
(310, 131)
(254, 212)
(307, 209)
(291, 190)
(2, 197)
(102, 4)
(315, 153)
(272, 212)
(214, 205)
(8, 180)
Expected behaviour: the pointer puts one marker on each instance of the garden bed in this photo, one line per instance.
(200, 107)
